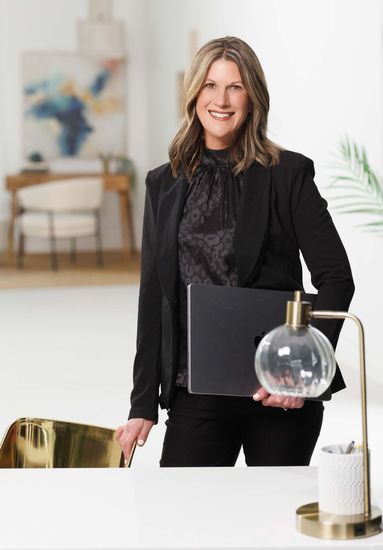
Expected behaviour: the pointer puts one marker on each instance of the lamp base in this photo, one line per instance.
(311, 521)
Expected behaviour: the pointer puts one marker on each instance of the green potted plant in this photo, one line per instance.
(361, 190)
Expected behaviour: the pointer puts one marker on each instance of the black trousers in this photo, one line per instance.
(204, 430)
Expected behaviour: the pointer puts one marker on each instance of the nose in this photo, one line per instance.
(222, 98)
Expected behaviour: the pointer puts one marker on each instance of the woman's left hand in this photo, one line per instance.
(281, 401)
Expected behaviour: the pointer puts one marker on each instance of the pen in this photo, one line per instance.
(350, 447)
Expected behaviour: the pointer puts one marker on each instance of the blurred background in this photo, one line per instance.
(92, 89)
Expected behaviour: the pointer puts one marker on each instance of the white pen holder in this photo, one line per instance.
(340, 480)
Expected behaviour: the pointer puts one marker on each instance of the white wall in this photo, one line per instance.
(323, 64)
(46, 25)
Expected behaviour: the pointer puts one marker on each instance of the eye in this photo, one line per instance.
(209, 85)
(236, 87)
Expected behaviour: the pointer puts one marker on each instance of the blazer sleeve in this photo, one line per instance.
(146, 369)
(322, 249)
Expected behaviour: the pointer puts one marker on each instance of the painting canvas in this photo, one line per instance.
(74, 105)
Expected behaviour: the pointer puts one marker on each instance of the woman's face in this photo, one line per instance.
(222, 104)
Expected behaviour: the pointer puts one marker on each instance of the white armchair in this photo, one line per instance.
(60, 209)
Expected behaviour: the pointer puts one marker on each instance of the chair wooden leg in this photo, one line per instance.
(54, 260)
(99, 255)
(73, 252)
(20, 252)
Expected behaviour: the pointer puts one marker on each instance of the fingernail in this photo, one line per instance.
(140, 442)
(256, 397)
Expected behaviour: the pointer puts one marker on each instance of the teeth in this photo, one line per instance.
(221, 115)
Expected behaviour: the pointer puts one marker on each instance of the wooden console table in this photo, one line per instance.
(119, 183)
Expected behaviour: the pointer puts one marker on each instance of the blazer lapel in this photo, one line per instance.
(252, 223)
(172, 200)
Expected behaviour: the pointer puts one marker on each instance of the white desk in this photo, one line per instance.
(206, 508)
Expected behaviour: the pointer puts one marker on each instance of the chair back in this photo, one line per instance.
(43, 443)
(75, 194)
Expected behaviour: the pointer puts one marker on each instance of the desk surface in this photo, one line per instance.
(205, 508)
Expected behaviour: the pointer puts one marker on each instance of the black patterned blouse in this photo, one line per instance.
(206, 234)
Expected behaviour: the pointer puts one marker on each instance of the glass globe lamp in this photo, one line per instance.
(296, 361)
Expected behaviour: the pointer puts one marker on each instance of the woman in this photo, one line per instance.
(230, 208)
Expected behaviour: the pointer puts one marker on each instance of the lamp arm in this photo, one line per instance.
(362, 367)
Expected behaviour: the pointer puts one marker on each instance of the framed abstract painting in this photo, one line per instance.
(74, 105)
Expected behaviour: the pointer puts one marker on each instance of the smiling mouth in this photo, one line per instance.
(220, 116)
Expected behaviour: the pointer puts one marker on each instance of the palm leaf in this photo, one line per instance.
(373, 224)
(362, 211)
(361, 203)
(353, 173)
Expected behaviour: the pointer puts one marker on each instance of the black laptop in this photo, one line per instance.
(225, 326)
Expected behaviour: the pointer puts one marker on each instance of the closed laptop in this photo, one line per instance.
(225, 326)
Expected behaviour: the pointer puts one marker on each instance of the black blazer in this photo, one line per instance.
(281, 213)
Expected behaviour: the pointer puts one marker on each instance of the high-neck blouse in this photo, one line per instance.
(206, 235)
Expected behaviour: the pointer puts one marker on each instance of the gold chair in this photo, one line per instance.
(42, 443)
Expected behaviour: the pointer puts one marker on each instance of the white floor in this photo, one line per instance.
(67, 353)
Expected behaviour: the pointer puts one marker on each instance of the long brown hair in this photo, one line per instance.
(251, 143)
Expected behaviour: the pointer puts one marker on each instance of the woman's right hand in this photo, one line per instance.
(136, 429)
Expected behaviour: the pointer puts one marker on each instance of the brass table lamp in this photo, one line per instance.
(296, 359)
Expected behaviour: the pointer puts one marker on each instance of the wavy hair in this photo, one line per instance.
(251, 142)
